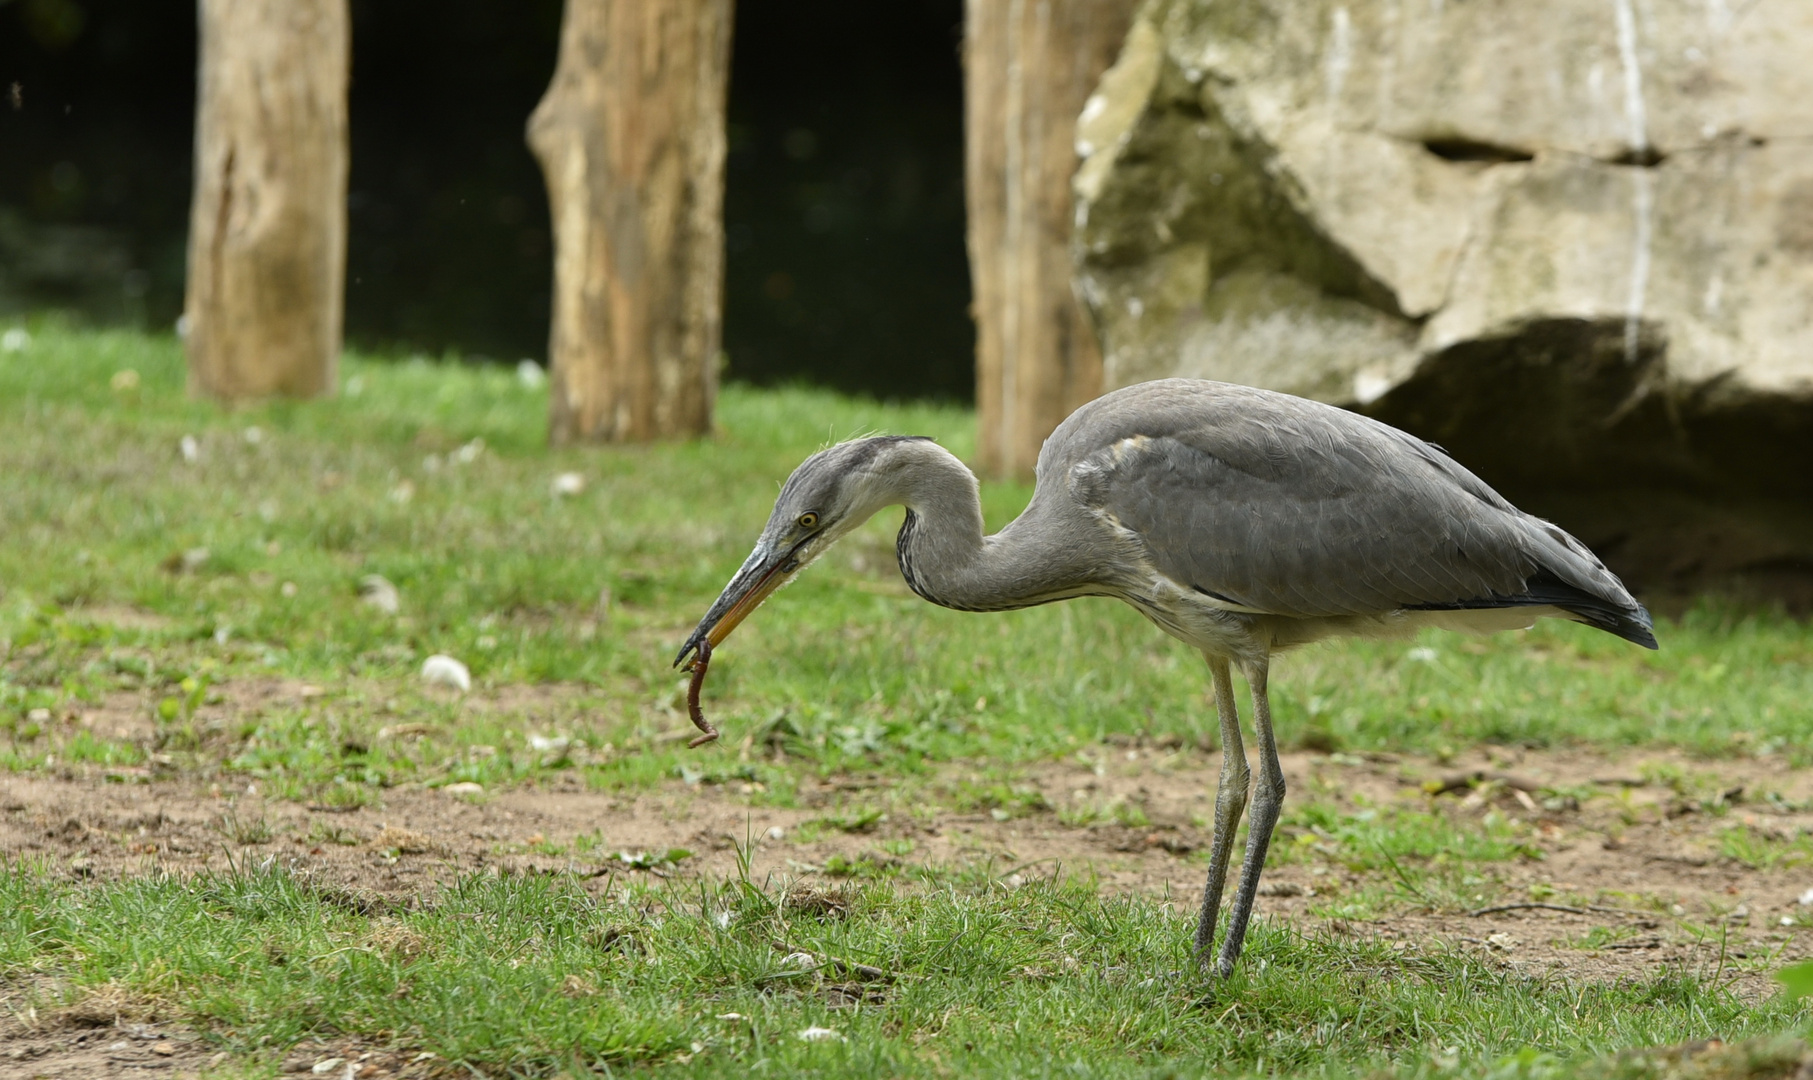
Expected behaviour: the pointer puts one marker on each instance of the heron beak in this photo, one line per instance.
(764, 571)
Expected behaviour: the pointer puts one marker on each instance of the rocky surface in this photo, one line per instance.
(1570, 240)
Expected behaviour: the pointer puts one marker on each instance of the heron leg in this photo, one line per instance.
(1268, 796)
(1230, 801)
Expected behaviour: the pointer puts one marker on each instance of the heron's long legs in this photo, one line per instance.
(1268, 795)
(1230, 801)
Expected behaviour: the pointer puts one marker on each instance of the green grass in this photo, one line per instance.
(844, 669)
(534, 976)
(127, 571)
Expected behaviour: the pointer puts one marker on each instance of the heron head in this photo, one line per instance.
(831, 492)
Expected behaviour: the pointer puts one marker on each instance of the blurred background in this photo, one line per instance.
(1569, 240)
(843, 202)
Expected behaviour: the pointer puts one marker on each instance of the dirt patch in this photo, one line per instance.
(1637, 846)
(106, 1032)
(33, 1049)
(130, 1050)
(103, 1033)
(121, 617)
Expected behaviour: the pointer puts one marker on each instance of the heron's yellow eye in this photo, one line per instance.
(808, 520)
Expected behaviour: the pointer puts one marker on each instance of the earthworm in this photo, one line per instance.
(700, 662)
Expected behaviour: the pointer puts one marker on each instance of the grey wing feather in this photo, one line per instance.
(1288, 507)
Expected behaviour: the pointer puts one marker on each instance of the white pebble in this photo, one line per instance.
(567, 483)
(819, 1034)
(530, 375)
(439, 670)
(468, 453)
(376, 590)
(18, 339)
(190, 448)
(254, 434)
(1422, 654)
(1806, 898)
(464, 787)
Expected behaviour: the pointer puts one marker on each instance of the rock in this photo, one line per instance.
(403, 841)
(566, 485)
(821, 1034)
(377, 590)
(1570, 240)
(439, 670)
(464, 789)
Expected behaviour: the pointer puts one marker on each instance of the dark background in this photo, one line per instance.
(843, 203)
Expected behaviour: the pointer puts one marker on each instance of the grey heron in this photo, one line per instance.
(1241, 521)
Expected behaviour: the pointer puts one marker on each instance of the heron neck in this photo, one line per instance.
(945, 557)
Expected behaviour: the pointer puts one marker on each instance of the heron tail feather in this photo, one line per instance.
(1621, 616)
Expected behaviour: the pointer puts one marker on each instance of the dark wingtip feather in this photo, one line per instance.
(1637, 628)
(1633, 624)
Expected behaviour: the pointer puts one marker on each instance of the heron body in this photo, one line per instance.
(1239, 521)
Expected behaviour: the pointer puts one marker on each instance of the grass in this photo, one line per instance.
(155, 548)
(127, 566)
(535, 976)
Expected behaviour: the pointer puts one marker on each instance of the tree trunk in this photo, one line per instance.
(267, 229)
(1029, 65)
(630, 136)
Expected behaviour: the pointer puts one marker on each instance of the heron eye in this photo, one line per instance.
(808, 520)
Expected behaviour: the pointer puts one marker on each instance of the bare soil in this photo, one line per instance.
(1641, 860)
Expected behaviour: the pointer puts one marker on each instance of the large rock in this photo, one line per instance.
(1570, 240)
